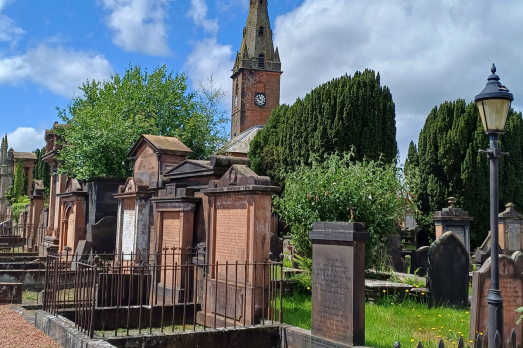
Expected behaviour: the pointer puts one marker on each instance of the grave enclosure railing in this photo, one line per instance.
(479, 342)
(15, 237)
(128, 294)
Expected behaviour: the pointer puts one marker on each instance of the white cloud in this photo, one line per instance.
(211, 58)
(426, 51)
(9, 32)
(26, 139)
(139, 25)
(58, 69)
(198, 13)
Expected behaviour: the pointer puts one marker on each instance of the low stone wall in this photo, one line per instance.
(64, 333)
(241, 337)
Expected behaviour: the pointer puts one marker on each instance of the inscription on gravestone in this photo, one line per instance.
(171, 239)
(231, 239)
(514, 237)
(459, 231)
(511, 286)
(448, 274)
(128, 228)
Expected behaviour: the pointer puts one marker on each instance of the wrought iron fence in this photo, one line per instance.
(479, 342)
(125, 294)
(19, 238)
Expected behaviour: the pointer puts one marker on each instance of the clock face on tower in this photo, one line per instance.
(260, 100)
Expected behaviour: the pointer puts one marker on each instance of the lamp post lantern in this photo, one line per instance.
(494, 103)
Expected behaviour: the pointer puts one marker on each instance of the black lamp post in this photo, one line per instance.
(493, 103)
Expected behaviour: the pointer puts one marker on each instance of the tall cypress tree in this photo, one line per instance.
(449, 164)
(345, 113)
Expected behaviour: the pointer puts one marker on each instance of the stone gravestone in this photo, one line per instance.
(517, 256)
(420, 261)
(448, 273)
(511, 286)
(395, 259)
(338, 284)
(83, 250)
(510, 228)
(483, 252)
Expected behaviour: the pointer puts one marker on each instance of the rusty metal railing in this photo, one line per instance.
(176, 290)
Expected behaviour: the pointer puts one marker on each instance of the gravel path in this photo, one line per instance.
(16, 332)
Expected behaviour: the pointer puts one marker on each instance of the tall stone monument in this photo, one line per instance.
(511, 286)
(454, 220)
(338, 282)
(240, 210)
(448, 274)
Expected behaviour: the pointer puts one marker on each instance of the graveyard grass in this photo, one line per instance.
(388, 321)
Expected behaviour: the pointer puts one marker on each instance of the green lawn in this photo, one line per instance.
(387, 322)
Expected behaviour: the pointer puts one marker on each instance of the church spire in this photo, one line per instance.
(257, 48)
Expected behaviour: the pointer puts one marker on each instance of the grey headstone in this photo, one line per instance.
(395, 260)
(448, 273)
(517, 256)
(422, 261)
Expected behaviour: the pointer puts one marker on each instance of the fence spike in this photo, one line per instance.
(461, 343)
(479, 341)
(513, 342)
(397, 344)
(441, 343)
(420, 345)
(497, 340)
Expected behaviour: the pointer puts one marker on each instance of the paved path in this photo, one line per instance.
(16, 332)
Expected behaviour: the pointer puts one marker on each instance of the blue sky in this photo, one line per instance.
(426, 51)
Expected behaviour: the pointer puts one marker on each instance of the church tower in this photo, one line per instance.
(256, 73)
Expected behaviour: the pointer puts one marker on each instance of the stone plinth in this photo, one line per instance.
(240, 209)
(338, 282)
(453, 220)
(448, 274)
(511, 286)
(510, 227)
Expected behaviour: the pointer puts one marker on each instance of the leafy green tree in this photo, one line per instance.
(102, 126)
(350, 111)
(447, 163)
(338, 188)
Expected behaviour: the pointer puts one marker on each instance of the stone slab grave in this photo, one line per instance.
(448, 273)
(83, 250)
(240, 212)
(511, 285)
(483, 252)
(338, 283)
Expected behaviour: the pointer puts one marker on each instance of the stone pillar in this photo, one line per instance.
(338, 282)
(510, 229)
(453, 220)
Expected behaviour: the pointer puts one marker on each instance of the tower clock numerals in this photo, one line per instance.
(260, 100)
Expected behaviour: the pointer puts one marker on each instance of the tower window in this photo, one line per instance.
(261, 61)
(260, 31)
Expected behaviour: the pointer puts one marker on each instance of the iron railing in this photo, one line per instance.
(478, 342)
(19, 238)
(176, 290)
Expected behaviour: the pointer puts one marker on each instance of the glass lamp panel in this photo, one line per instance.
(494, 114)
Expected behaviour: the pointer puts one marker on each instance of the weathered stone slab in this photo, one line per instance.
(338, 278)
(517, 256)
(448, 273)
(511, 286)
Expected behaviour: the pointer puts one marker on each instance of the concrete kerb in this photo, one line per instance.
(64, 333)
